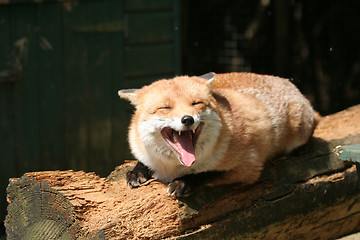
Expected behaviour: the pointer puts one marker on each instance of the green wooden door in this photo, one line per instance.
(61, 64)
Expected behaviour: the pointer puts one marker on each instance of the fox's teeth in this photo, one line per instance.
(193, 131)
(179, 133)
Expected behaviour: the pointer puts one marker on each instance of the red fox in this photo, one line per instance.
(226, 125)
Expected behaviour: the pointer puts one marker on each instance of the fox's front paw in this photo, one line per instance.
(135, 178)
(178, 188)
(138, 175)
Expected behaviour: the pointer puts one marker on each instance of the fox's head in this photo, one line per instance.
(175, 117)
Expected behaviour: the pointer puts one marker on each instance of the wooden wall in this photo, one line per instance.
(61, 65)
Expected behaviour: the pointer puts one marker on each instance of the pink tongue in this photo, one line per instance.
(185, 147)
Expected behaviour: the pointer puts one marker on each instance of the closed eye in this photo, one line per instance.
(197, 103)
(164, 107)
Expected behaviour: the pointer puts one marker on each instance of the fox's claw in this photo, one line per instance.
(178, 188)
(138, 175)
(134, 179)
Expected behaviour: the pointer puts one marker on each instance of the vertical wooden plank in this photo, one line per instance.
(99, 88)
(7, 160)
(120, 118)
(50, 84)
(177, 36)
(26, 95)
(76, 76)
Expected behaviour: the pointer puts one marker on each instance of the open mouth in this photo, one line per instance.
(183, 142)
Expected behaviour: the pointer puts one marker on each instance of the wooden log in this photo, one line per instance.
(310, 194)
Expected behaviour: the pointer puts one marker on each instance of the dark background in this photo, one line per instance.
(314, 43)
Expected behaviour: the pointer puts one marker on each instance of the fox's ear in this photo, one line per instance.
(129, 94)
(210, 77)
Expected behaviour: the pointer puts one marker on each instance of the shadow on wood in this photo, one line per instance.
(310, 194)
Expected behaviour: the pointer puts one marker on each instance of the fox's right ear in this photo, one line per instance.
(129, 94)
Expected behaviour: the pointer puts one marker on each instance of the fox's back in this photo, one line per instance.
(272, 107)
(261, 86)
(239, 80)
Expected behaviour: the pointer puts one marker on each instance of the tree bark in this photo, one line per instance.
(310, 194)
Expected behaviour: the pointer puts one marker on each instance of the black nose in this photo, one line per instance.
(187, 120)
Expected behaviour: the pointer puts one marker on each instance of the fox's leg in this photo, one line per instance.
(183, 186)
(138, 175)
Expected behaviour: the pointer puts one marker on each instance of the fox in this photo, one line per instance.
(189, 129)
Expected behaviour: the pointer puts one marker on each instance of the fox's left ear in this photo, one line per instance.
(129, 94)
(210, 77)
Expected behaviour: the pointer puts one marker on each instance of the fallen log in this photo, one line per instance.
(310, 194)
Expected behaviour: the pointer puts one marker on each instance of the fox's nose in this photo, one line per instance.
(187, 120)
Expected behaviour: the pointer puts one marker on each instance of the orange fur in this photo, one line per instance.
(247, 118)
